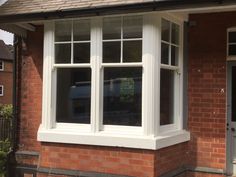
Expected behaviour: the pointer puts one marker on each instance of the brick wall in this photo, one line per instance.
(6, 79)
(207, 88)
(30, 90)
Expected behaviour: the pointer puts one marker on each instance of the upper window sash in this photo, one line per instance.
(122, 39)
(72, 42)
(170, 43)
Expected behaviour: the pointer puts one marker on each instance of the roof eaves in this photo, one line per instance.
(152, 5)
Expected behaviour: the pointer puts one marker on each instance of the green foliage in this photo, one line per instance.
(6, 111)
(5, 147)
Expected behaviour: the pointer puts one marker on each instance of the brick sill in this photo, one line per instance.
(114, 140)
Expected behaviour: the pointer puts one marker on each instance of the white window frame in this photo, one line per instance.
(2, 90)
(149, 135)
(178, 80)
(2, 65)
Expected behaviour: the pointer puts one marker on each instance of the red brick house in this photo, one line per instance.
(124, 88)
(6, 74)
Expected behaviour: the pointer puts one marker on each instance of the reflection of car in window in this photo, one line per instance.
(79, 102)
(121, 93)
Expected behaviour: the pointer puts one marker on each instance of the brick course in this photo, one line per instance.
(207, 88)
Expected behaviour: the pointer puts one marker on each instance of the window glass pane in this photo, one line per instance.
(82, 53)
(165, 30)
(175, 34)
(73, 95)
(111, 52)
(63, 31)
(122, 96)
(164, 53)
(62, 53)
(112, 28)
(166, 97)
(174, 55)
(232, 50)
(132, 27)
(81, 30)
(232, 37)
(132, 51)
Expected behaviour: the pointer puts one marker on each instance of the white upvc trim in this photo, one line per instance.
(150, 75)
(72, 65)
(2, 88)
(113, 139)
(48, 60)
(2, 68)
(122, 64)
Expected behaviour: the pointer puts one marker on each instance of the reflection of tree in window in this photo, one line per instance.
(122, 96)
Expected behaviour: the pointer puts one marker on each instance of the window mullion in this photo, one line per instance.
(121, 42)
(72, 42)
(170, 35)
(48, 61)
(150, 75)
(96, 47)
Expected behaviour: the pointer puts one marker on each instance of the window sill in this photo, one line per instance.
(115, 140)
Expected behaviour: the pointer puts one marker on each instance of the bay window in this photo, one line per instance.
(113, 81)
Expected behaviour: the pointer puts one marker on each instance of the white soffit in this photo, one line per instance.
(14, 29)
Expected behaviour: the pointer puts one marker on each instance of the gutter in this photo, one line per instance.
(15, 94)
(155, 5)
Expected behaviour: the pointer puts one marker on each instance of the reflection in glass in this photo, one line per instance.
(73, 95)
(122, 96)
(165, 30)
(81, 52)
(63, 31)
(166, 97)
(132, 27)
(132, 51)
(62, 53)
(174, 55)
(112, 28)
(232, 37)
(164, 53)
(81, 30)
(175, 34)
(111, 52)
(232, 49)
